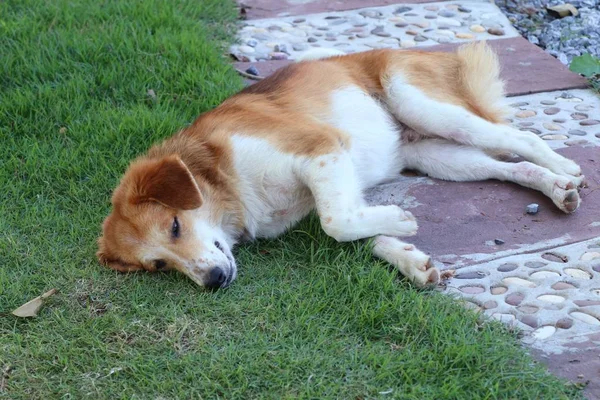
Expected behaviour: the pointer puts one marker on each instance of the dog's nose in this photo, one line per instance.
(216, 278)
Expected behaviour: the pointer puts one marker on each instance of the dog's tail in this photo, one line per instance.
(319, 53)
(480, 73)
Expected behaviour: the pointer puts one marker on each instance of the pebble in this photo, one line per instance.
(462, 35)
(578, 273)
(363, 35)
(507, 267)
(499, 241)
(445, 32)
(278, 56)
(532, 208)
(252, 70)
(472, 289)
(544, 332)
(312, 40)
(514, 299)
(576, 132)
(477, 28)
(562, 286)
(551, 110)
(430, 16)
(589, 122)
(464, 9)
(446, 14)
(513, 280)
(420, 38)
(552, 127)
(401, 24)
(525, 114)
(252, 42)
(535, 264)
(591, 255)
(559, 120)
(402, 9)
(423, 24)
(519, 104)
(371, 14)
(564, 323)
(579, 116)
(299, 47)
(528, 309)
(548, 102)
(411, 32)
(407, 43)
(587, 318)
(470, 275)
(530, 320)
(555, 137)
(551, 298)
(544, 275)
(577, 142)
(490, 304)
(496, 31)
(380, 32)
(498, 290)
(431, 8)
(246, 49)
(299, 20)
(533, 130)
(587, 303)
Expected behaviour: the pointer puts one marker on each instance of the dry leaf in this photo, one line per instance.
(447, 274)
(563, 10)
(31, 308)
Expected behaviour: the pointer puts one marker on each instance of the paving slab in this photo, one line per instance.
(391, 26)
(552, 297)
(282, 8)
(525, 68)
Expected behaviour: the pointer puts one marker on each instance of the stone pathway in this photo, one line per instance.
(551, 295)
(570, 118)
(539, 273)
(392, 26)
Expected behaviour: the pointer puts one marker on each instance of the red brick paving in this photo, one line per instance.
(457, 218)
(256, 9)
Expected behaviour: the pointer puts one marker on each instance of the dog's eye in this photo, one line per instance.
(218, 246)
(175, 228)
(160, 264)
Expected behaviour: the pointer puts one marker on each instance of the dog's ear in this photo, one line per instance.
(106, 259)
(167, 181)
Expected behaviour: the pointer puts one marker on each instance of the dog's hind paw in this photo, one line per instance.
(566, 196)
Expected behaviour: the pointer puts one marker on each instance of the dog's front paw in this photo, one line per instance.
(402, 223)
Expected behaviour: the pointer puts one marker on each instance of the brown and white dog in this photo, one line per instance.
(316, 134)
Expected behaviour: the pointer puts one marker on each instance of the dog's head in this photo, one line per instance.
(160, 222)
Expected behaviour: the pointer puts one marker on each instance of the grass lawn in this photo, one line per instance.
(307, 318)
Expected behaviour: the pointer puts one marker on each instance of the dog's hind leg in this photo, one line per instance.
(446, 160)
(434, 118)
(410, 261)
(343, 213)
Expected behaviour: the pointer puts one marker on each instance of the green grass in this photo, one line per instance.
(308, 318)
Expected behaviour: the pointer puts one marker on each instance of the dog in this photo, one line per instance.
(315, 135)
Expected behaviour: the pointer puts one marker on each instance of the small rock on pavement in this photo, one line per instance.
(253, 71)
(496, 31)
(532, 209)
